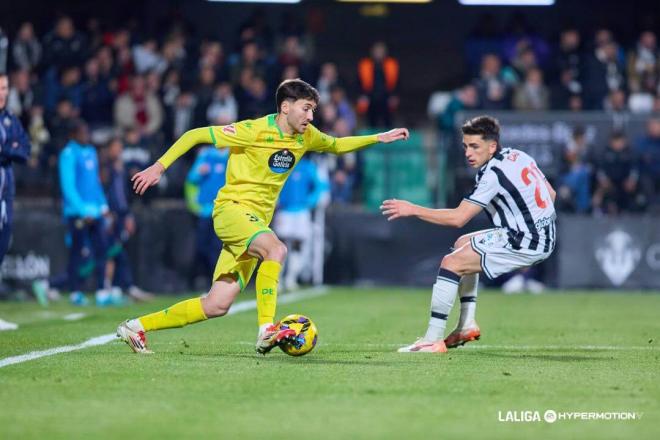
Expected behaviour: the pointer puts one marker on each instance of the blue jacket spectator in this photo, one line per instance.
(80, 182)
(205, 178)
(84, 205)
(303, 188)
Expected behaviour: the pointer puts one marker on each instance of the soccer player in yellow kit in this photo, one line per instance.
(262, 154)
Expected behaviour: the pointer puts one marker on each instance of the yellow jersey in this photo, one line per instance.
(261, 157)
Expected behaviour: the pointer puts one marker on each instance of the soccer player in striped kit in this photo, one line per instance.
(519, 202)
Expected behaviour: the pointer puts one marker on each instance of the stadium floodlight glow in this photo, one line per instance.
(256, 1)
(507, 2)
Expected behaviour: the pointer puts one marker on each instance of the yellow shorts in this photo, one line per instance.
(236, 225)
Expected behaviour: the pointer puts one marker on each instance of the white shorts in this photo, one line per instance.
(293, 225)
(497, 255)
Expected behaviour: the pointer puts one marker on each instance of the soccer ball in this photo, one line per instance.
(306, 335)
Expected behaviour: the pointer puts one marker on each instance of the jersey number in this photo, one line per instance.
(538, 177)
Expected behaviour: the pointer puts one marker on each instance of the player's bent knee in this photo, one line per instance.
(277, 252)
(454, 264)
(462, 240)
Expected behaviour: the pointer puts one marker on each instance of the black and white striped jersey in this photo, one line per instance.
(512, 191)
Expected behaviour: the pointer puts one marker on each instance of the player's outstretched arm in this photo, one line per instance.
(151, 176)
(329, 144)
(457, 217)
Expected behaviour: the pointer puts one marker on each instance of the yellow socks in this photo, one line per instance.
(180, 314)
(268, 277)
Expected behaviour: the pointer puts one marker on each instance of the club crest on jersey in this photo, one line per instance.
(229, 130)
(281, 161)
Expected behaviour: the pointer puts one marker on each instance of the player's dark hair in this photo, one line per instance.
(293, 90)
(485, 126)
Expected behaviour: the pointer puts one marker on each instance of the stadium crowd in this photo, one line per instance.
(522, 71)
(146, 90)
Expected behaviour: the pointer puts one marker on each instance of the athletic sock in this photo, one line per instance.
(268, 277)
(180, 314)
(467, 291)
(442, 300)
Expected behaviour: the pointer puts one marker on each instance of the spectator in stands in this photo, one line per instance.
(524, 61)
(345, 175)
(532, 94)
(256, 100)
(84, 206)
(97, 97)
(64, 46)
(643, 62)
(139, 109)
(223, 109)
(378, 76)
(250, 58)
(562, 91)
(26, 48)
(520, 37)
(574, 190)
(465, 98)
(603, 74)
(171, 88)
(493, 90)
(212, 55)
(616, 106)
(203, 95)
(146, 57)
(648, 149)
(183, 115)
(174, 52)
(59, 127)
(108, 70)
(568, 62)
(327, 79)
(135, 154)
(642, 100)
(344, 108)
(617, 177)
(21, 96)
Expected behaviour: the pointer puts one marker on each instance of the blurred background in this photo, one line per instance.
(574, 83)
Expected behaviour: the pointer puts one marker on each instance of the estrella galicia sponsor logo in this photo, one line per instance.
(618, 256)
(281, 161)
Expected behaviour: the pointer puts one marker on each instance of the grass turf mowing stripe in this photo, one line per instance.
(104, 339)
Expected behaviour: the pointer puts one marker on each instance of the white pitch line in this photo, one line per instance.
(73, 316)
(99, 340)
(104, 339)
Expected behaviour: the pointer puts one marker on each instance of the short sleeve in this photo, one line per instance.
(239, 134)
(485, 189)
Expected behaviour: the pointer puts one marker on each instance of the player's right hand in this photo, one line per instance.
(393, 209)
(147, 177)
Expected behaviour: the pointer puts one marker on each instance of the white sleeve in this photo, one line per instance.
(484, 190)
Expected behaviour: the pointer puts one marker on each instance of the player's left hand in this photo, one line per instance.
(396, 134)
(393, 209)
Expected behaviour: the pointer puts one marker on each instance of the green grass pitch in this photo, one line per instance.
(572, 351)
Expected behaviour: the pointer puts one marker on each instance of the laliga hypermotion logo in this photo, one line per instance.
(618, 256)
